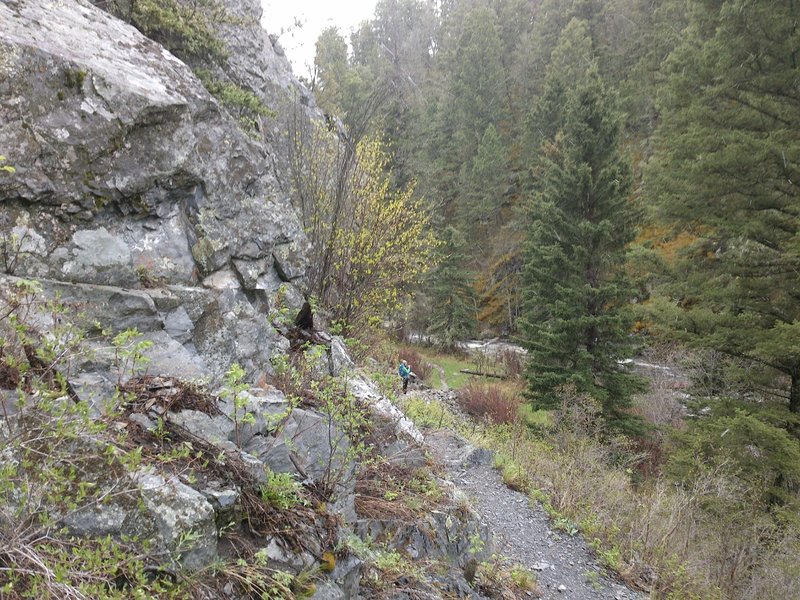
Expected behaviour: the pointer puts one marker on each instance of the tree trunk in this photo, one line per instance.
(794, 392)
(481, 374)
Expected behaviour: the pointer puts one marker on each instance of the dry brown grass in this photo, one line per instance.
(384, 490)
(147, 392)
(658, 536)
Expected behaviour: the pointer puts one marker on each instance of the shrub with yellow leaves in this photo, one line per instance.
(371, 241)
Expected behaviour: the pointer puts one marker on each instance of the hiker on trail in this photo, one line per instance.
(405, 374)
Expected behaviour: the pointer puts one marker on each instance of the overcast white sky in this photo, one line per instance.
(315, 15)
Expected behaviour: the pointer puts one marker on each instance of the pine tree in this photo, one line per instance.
(452, 296)
(330, 70)
(575, 324)
(726, 174)
(483, 184)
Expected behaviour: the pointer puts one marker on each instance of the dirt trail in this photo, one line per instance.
(442, 378)
(564, 565)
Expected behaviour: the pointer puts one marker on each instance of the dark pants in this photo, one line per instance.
(405, 384)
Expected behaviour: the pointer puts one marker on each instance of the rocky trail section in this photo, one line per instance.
(564, 565)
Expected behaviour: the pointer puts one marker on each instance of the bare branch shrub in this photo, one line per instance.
(491, 402)
(513, 363)
(370, 241)
(662, 404)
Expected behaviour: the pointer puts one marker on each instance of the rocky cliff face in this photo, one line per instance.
(258, 64)
(137, 201)
(130, 175)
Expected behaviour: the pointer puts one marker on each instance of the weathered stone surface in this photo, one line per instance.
(290, 262)
(444, 534)
(125, 129)
(224, 279)
(179, 325)
(130, 175)
(143, 421)
(285, 559)
(160, 246)
(226, 506)
(259, 64)
(115, 309)
(183, 517)
(366, 391)
(112, 518)
(222, 500)
(173, 516)
(216, 429)
(328, 590)
(232, 330)
(169, 358)
(195, 300)
(307, 444)
(96, 256)
(340, 360)
(251, 271)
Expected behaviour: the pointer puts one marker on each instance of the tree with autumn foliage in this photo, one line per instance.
(370, 241)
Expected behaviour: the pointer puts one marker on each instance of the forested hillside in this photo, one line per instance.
(610, 178)
(467, 94)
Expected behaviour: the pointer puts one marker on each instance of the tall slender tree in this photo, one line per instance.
(452, 297)
(575, 290)
(483, 185)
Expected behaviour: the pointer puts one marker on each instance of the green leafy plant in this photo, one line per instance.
(476, 543)
(233, 389)
(243, 104)
(8, 169)
(347, 424)
(565, 525)
(522, 578)
(129, 357)
(281, 491)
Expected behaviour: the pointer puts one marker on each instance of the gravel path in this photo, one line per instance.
(565, 567)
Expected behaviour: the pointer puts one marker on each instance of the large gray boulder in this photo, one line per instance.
(183, 519)
(448, 534)
(133, 163)
(177, 519)
(131, 181)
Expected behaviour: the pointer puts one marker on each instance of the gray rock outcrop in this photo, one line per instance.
(139, 203)
(259, 65)
(134, 191)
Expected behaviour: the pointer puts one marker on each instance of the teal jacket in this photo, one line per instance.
(405, 372)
